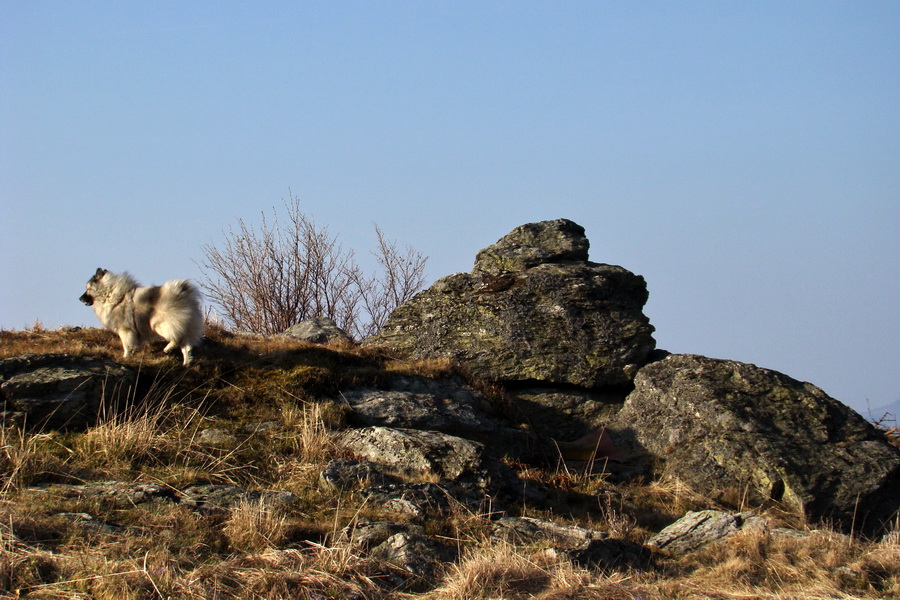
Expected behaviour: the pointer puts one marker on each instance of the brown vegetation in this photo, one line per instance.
(58, 544)
(265, 280)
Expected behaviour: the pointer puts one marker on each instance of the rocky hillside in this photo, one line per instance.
(511, 433)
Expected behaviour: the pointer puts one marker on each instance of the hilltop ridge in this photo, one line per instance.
(512, 433)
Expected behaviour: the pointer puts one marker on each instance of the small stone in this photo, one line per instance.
(217, 437)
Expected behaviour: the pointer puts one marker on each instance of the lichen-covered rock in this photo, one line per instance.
(724, 425)
(403, 545)
(437, 405)
(533, 310)
(422, 453)
(533, 244)
(418, 554)
(115, 494)
(580, 545)
(348, 474)
(699, 528)
(531, 531)
(218, 497)
(320, 330)
(217, 438)
(416, 500)
(60, 390)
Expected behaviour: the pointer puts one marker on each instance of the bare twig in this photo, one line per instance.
(265, 280)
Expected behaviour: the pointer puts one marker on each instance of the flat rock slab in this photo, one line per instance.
(116, 494)
(61, 391)
(530, 531)
(697, 529)
(416, 453)
(417, 403)
(123, 494)
(224, 497)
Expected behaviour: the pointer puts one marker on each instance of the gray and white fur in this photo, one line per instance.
(141, 314)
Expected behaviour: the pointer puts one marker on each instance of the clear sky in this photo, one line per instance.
(744, 157)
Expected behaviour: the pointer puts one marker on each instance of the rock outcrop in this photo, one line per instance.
(448, 406)
(60, 391)
(533, 310)
(526, 246)
(721, 426)
(566, 414)
(422, 466)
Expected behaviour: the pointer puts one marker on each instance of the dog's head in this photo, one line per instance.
(87, 297)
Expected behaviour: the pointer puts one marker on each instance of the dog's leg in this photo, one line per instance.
(130, 342)
(187, 352)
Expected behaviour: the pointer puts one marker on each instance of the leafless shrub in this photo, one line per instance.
(265, 280)
(402, 275)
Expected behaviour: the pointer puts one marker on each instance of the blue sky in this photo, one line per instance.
(744, 157)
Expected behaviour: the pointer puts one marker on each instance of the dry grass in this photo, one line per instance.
(24, 458)
(74, 341)
(822, 564)
(261, 550)
(256, 525)
(496, 570)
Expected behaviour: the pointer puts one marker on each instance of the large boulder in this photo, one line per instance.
(724, 427)
(533, 310)
(61, 390)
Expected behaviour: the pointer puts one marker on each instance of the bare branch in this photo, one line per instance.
(265, 280)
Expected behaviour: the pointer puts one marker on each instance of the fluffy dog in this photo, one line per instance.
(140, 314)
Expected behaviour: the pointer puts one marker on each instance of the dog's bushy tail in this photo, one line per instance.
(180, 301)
(180, 291)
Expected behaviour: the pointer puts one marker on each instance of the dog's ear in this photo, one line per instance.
(100, 273)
